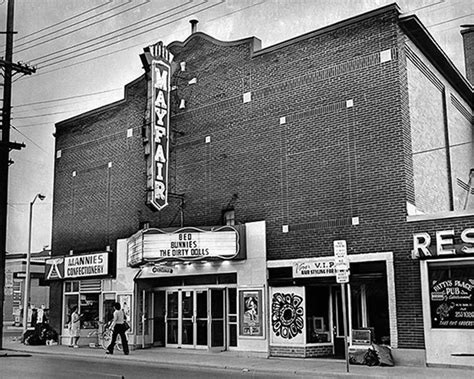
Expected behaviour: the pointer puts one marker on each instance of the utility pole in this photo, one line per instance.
(9, 69)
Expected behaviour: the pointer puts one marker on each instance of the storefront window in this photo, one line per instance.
(89, 309)
(70, 301)
(108, 307)
(87, 304)
(452, 294)
(317, 315)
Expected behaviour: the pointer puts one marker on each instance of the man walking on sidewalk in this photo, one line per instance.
(118, 327)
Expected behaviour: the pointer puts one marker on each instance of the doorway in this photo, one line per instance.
(338, 322)
(195, 318)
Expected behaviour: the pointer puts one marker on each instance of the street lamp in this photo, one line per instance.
(28, 259)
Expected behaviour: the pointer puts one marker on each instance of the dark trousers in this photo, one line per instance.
(118, 329)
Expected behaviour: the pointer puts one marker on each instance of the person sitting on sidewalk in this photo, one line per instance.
(118, 327)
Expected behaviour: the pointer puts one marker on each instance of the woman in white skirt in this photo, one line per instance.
(74, 327)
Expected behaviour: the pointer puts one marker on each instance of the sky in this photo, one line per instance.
(86, 51)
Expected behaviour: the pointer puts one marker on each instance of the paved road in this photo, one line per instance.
(37, 366)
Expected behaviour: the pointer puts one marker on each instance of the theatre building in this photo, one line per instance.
(211, 201)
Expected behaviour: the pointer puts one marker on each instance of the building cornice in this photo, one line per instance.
(423, 40)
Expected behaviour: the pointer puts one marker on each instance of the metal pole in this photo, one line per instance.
(28, 269)
(344, 315)
(4, 155)
(143, 318)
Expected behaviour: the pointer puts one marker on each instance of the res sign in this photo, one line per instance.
(445, 244)
(159, 132)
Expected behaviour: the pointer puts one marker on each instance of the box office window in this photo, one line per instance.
(451, 288)
(317, 315)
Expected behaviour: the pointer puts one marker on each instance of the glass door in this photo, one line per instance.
(217, 317)
(187, 318)
(172, 317)
(201, 318)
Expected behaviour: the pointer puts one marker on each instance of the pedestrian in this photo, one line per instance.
(118, 327)
(74, 327)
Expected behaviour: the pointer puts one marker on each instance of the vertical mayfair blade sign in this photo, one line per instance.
(159, 133)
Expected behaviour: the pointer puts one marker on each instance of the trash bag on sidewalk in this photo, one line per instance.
(371, 358)
(39, 336)
(384, 355)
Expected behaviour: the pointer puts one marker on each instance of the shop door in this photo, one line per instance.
(217, 317)
(338, 322)
(159, 312)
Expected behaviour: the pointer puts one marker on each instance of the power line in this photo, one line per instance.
(68, 98)
(43, 123)
(29, 139)
(72, 97)
(64, 21)
(82, 27)
(137, 34)
(38, 60)
(48, 114)
(133, 46)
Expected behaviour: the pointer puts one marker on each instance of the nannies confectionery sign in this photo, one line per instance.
(78, 266)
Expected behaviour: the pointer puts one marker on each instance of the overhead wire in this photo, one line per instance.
(60, 22)
(64, 21)
(127, 38)
(48, 114)
(38, 61)
(67, 98)
(82, 27)
(135, 45)
(116, 51)
(29, 139)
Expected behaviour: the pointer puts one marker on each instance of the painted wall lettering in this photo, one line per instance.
(445, 244)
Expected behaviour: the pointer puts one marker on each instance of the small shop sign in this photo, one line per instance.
(452, 303)
(78, 266)
(319, 267)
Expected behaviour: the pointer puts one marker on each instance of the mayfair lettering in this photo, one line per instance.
(445, 245)
(160, 134)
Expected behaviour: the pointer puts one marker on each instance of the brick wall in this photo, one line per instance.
(301, 351)
(325, 137)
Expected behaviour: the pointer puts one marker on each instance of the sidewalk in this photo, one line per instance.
(240, 361)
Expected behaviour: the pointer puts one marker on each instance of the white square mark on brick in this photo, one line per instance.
(349, 103)
(285, 228)
(129, 133)
(58, 154)
(355, 220)
(208, 139)
(109, 165)
(74, 173)
(282, 120)
(385, 56)
(247, 97)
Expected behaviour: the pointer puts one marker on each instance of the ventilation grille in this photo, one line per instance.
(91, 286)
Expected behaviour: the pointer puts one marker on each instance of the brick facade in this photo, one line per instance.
(327, 136)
